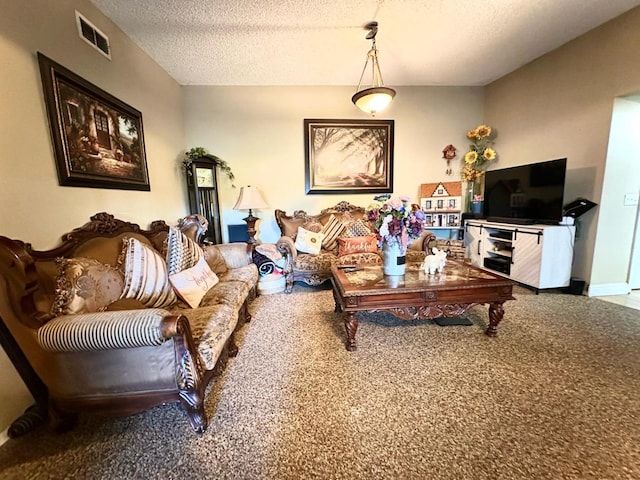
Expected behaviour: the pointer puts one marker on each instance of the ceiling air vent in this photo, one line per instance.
(90, 34)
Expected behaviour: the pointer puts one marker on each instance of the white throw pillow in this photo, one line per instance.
(308, 242)
(193, 283)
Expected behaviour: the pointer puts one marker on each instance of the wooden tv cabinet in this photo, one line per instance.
(539, 256)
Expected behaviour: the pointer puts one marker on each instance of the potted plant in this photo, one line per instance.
(199, 152)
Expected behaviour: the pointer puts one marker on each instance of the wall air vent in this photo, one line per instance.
(94, 37)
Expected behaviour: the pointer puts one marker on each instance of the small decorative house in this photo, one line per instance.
(442, 203)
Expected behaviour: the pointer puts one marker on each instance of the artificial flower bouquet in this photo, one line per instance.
(394, 220)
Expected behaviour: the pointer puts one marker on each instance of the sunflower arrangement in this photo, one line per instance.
(480, 152)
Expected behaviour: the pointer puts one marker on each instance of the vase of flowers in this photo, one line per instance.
(475, 161)
(396, 224)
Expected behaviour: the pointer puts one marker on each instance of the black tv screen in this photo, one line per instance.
(526, 194)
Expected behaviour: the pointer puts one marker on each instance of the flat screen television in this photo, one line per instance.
(526, 194)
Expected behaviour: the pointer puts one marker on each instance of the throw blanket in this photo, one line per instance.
(270, 250)
(265, 265)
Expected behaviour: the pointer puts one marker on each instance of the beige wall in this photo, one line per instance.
(33, 207)
(561, 106)
(259, 131)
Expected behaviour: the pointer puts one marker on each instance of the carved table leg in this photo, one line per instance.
(351, 326)
(337, 308)
(496, 312)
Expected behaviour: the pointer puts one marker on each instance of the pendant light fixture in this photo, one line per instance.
(376, 97)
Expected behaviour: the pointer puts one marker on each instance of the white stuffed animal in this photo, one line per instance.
(434, 263)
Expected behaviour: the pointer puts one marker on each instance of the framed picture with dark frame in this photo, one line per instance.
(348, 156)
(97, 139)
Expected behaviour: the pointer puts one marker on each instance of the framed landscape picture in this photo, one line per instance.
(97, 139)
(348, 156)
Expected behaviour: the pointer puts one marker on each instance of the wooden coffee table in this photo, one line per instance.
(417, 295)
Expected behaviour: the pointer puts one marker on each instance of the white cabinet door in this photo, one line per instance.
(473, 241)
(526, 258)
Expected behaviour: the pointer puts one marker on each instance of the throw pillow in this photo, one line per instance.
(193, 283)
(145, 274)
(357, 228)
(332, 230)
(308, 242)
(182, 252)
(349, 245)
(85, 285)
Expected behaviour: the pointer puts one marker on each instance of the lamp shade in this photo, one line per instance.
(250, 198)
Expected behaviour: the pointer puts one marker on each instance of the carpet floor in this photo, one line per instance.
(555, 396)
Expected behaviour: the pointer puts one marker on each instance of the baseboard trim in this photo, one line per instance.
(608, 289)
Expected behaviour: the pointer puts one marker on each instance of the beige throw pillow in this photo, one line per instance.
(85, 285)
(193, 283)
(308, 242)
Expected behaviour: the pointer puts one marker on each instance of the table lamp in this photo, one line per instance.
(250, 198)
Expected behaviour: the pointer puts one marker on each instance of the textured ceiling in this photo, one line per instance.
(322, 42)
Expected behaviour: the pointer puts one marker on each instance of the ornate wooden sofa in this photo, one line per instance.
(124, 358)
(314, 269)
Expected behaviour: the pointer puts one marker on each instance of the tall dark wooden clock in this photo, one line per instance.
(202, 186)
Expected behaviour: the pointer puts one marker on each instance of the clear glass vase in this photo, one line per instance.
(474, 190)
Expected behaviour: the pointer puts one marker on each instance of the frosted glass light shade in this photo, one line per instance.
(374, 99)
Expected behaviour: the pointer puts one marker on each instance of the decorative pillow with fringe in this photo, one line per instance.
(145, 274)
(85, 285)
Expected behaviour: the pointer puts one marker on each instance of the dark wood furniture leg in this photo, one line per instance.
(496, 312)
(35, 415)
(351, 326)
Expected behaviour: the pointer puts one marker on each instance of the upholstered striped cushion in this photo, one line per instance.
(103, 331)
(182, 252)
(332, 230)
(145, 275)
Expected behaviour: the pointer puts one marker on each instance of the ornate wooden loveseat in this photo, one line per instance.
(130, 354)
(359, 248)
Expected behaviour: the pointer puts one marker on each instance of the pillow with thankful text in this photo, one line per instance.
(349, 245)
